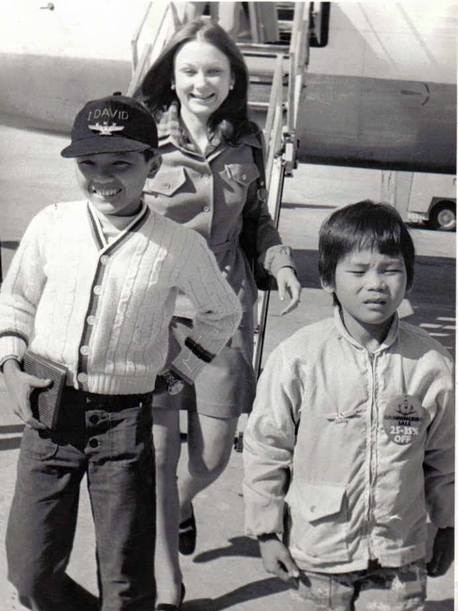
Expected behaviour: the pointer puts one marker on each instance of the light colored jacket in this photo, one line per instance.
(320, 444)
(103, 308)
(212, 194)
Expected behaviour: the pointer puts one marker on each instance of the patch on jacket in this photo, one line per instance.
(403, 418)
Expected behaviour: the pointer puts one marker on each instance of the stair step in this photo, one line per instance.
(255, 105)
(262, 50)
(260, 92)
(264, 66)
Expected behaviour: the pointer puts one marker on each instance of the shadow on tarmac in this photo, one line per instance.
(266, 587)
(238, 546)
(439, 605)
(11, 443)
(11, 244)
(247, 592)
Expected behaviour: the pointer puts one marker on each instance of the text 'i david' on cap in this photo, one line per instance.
(113, 124)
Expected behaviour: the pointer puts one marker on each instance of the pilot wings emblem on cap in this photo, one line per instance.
(106, 130)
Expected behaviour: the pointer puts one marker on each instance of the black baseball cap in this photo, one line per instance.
(113, 124)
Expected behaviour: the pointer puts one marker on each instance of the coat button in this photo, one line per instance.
(93, 443)
(93, 420)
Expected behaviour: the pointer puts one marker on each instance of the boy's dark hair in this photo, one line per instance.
(365, 224)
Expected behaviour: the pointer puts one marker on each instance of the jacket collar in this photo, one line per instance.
(171, 129)
(385, 344)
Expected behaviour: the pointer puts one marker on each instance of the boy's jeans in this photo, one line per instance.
(382, 588)
(109, 440)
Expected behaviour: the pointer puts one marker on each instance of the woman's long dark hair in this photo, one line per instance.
(156, 92)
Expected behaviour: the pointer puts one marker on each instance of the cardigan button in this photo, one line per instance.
(206, 209)
(90, 320)
(104, 259)
(82, 377)
(97, 289)
(84, 350)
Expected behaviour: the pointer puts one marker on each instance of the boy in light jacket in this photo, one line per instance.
(350, 443)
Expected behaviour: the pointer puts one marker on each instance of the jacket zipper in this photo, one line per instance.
(372, 452)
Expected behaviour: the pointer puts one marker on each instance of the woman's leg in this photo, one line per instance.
(166, 438)
(210, 442)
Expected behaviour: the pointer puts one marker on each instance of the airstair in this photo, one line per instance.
(276, 73)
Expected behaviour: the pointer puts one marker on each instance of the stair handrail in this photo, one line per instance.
(163, 23)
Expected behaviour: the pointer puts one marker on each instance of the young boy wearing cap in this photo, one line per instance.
(92, 287)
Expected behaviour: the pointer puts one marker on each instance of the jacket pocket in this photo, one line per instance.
(166, 182)
(319, 521)
(243, 173)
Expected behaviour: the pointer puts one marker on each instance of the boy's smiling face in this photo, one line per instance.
(114, 182)
(369, 286)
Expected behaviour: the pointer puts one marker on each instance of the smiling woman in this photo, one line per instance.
(209, 180)
(202, 82)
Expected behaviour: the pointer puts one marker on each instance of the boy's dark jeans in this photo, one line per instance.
(109, 440)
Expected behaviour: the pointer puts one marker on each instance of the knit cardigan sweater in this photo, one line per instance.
(103, 309)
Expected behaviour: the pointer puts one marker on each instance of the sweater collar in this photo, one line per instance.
(132, 227)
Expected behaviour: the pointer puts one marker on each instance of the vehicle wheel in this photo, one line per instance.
(443, 216)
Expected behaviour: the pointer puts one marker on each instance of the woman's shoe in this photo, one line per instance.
(187, 535)
(169, 606)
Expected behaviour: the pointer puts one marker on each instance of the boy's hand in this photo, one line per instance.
(288, 283)
(276, 558)
(20, 386)
(442, 556)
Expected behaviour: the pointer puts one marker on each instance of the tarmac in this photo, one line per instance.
(226, 571)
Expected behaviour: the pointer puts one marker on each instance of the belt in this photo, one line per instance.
(91, 400)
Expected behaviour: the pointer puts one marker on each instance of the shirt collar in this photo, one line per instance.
(172, 129)
(390, 338)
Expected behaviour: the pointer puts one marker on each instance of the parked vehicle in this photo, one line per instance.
(433, 200)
